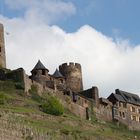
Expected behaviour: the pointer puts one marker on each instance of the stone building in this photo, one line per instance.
(2, 48)
(126, 108)
(92, 93)
(40, 73)
(73, 76)
(59, 80)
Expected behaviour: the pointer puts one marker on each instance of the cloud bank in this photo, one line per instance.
(106, 63)
(42, 10)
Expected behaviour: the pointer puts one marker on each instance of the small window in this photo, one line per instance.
(61, 80)
(134, 118)
(133, 109)
(124, 105)
(138, 110)
(120, 114)
(119, 104)
(123, 114)
(43, 72)
(0, 49)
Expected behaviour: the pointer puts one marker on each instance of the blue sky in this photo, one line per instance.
(112, 17)
(101, 35)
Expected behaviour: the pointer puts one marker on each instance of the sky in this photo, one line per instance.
(101, 35)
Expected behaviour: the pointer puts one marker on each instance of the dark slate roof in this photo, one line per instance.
(57, 74)
(115, 97)
(119, 97)
(129, 97)
(87, 93)
(40, 66)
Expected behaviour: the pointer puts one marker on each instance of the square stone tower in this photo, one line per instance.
(2, 48)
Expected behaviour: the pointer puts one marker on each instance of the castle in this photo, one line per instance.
(2, 48)
(66, 83)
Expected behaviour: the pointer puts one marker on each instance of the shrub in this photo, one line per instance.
(34, 89)
(7, 86)
(53, 106)
(19, 85)
(34, 94)
(3, 98)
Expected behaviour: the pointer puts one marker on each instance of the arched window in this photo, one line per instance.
(43, 72)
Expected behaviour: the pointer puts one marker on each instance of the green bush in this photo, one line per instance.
(7, 86)
(19, 85)
(53, 106)
(3, 98)
(34, 89)
(34, 94)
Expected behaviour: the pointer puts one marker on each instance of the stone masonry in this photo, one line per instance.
(2, 48)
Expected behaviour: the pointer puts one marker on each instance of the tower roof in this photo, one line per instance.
(40, 66)
(57, 74)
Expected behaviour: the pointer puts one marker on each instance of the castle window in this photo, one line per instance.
(138, 110)
(123, 114)
(0, 49)
(133, 109)
(124, 105)
(133, 118)
(120, 114)
(61, 80)
(43, 72)
(120, 104)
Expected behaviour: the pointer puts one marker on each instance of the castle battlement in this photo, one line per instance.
(70, 65)
(73, 74)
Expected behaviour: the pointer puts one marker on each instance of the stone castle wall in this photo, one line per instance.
(2, 47)
(104, 112)
(73, 74)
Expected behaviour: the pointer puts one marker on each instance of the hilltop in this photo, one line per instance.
(21, 118)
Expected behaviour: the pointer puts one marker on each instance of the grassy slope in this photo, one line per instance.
(68, 124)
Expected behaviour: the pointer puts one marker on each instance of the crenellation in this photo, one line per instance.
(73, 75)
(70, 65)
(78, 66)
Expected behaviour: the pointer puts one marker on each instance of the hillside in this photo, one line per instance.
(22, 119)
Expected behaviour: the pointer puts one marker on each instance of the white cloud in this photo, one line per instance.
(106, 63)
(43, 10)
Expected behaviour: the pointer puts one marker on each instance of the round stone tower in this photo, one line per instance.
(2, 48)
(73, 76)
